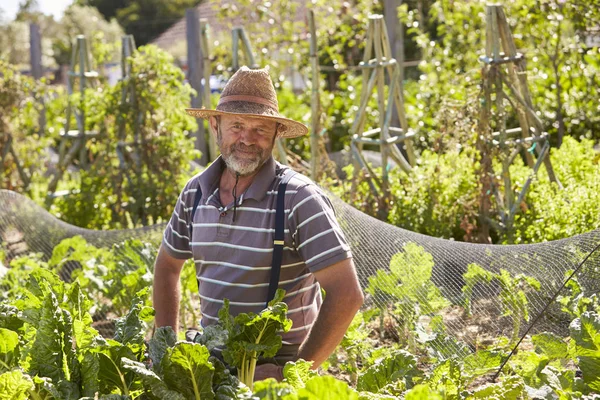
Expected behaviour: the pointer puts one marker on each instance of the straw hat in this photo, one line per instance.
(250, 92)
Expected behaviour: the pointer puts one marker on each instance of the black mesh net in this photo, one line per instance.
(479, 292)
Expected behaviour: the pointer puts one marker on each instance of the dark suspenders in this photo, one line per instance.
(278, 239)
(279, 236)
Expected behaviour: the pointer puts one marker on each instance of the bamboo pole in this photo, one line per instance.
(315, 104)
(206, 72)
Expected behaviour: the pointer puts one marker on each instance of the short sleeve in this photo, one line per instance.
(176, 238)
(317, 235)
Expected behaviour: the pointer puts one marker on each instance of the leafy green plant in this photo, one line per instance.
(585, 332)
(148, 136)
(408, 284)
(250, 336)
(512, 292)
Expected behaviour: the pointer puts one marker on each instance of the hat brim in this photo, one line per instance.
(289, 128)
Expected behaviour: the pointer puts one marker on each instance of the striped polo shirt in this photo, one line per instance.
(233, 258)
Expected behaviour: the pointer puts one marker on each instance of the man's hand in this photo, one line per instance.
(265, 371)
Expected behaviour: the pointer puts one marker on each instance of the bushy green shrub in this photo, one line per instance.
(142, 157)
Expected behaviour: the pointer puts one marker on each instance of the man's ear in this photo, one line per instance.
(212, 122)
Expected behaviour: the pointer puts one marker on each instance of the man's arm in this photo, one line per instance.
(343, 298)
(166, 292)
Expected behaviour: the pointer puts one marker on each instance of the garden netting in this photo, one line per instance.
(414, 279)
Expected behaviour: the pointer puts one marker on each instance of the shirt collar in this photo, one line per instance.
(263, 181)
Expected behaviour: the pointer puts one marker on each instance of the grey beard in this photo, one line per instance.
(242, 168)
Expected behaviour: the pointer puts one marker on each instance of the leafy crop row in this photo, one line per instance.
(50, 349)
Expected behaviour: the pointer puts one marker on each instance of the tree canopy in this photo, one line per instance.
(144, 19)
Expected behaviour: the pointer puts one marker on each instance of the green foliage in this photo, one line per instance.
(395, 372)
(512, 292)
(20, 111)
(251, 336)
(585, 332)
(408, 284)
(14, 385)
(141, 139)
(553, 214)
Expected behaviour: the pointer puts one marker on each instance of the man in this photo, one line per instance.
(231, 235)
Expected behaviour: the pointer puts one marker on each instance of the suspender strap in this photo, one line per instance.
(196, 202)
(278, 239)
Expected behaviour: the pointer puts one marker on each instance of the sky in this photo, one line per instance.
(54, 7)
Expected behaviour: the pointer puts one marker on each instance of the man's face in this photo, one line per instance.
(245, 142)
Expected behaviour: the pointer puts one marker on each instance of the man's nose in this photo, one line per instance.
(248, 136)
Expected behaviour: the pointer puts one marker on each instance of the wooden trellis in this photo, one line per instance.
(504, 75)
(238, 34)
(206, 70)
(377, 73)
(75, 138)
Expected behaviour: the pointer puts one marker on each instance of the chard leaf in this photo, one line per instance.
(226, 385)
(271, 389)
(326, 387)
(400, 365)
(254, 336)
(297, 373)
(163, 338)
(186, 369)
(511, 388)
(53, 352)
(424, 392)
(9, 317)
(112, 375)
(585, 331)
(550, 345)
(131, 329)
(158, 389)
(529, 366)
(481, 362)
(447, 377)
(213, 336)
(90, 370)
(79, 306)
(9, 350)
(14, 385)
(375, 396)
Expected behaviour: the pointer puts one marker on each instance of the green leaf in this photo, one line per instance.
(132, 328)
(271, 389)
(550, 345)
(112, 375)
(53, 352)
(163, 339)
(213, 336)
(298, 373)
(447, 377)
(585, 331)
(424, 392)
(155, 385)
(9, 317)
(9, 352)
(400, 365)
(186, 368)
(326, 387)
(481, 362)
(90, 371)
(511, 388)
(14, 385)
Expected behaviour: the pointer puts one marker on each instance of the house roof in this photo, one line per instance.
(208, 10)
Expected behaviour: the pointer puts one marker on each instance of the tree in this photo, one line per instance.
(144, 19)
